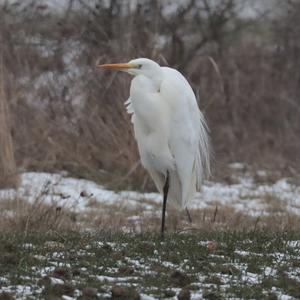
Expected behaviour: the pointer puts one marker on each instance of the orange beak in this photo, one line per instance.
(117, 67)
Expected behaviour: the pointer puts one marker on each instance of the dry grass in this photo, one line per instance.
(20, 216)
(66, 115)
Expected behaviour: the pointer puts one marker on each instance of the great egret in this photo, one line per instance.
(169, 128)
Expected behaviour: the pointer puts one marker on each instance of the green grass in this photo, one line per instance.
(255, 265)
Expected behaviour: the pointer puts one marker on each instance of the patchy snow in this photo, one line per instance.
(23, 290)
(3, 280)
(28, 246)
(146, 297)
(270, 271)
(115, 279)
(143, 267)
(294, 244)
(77, 194)
(68, 297)
(54, 281)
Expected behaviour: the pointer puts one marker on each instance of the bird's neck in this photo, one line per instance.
(156, 83)
(153, 77)
(146, 83)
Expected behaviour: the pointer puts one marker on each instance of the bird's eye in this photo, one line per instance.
(139, 66)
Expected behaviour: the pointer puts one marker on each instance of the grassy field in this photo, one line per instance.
(212, 265)
(67, 238)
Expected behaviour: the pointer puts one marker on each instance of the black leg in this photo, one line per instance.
(165, 190)
(188, 215)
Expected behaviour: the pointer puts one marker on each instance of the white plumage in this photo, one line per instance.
(169, 128)
(170, 131)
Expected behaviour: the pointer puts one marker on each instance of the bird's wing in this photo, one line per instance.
(128, 106)
(129, 109)
(188, 139)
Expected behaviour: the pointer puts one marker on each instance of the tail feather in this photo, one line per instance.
(202, 160)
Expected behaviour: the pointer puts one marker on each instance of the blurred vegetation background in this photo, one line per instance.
(241, 57)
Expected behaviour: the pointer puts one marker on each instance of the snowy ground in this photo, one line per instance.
(144, 267)
(218, 262)
(231, 266)
(245, 195)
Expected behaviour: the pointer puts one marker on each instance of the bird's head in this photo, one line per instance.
(138, 66)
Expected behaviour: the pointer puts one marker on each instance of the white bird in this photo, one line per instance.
(169, 128)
